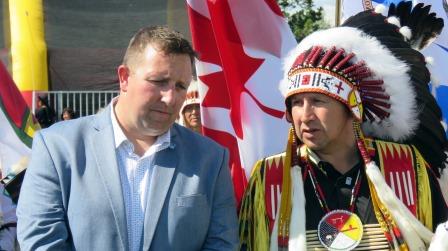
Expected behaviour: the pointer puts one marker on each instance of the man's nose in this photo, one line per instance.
(307, 112)
(168, 96)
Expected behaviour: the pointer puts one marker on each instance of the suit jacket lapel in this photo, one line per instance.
(104, 151)
(163, 170)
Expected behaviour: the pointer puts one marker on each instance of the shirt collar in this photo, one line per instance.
(119, 136)
(325, 167)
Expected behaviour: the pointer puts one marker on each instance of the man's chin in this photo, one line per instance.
(312, 145)
(194, 125)
(154, 131)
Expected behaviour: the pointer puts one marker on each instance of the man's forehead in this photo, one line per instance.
(309, 95)
(192, 106)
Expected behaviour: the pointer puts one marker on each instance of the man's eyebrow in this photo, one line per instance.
(158, 78)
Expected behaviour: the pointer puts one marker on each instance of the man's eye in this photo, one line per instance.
(297, 102)
(181, 86)
(156, 82)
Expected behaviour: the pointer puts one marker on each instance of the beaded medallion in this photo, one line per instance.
(340, 230)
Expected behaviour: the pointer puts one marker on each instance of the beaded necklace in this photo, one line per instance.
(320, 194)
(338, 229)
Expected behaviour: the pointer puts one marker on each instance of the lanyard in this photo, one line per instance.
(321, 196)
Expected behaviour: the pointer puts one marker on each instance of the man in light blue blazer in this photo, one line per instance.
(129, 178)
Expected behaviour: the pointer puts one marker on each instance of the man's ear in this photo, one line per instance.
(123, 76)
(288, 116)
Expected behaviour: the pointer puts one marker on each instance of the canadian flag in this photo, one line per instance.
(241, 45)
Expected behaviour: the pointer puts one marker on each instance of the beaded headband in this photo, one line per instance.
(330, 72)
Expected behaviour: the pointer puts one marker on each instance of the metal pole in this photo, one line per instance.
(80, 105)
(337, 17)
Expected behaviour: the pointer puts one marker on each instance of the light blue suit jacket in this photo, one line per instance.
(71, 197)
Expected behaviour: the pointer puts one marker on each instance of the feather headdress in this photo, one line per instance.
(191, 98)
(371, 65)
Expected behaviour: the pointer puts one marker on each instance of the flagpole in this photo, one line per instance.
(337, 13)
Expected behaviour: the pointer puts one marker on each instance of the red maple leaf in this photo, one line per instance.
(238, 67)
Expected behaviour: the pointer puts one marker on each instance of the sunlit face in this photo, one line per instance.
(192, 116)
(321, 122)
(153, 91)
(66, 116)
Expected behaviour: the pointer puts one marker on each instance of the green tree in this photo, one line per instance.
(303, 17)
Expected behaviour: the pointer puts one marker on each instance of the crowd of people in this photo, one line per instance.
(361, 166)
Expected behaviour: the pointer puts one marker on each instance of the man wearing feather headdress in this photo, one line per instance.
(190, 112)
(366, 146)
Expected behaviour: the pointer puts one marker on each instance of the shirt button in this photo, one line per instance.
(348, 181)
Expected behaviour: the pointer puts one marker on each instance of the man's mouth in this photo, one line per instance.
(160, 111)
(310, 131)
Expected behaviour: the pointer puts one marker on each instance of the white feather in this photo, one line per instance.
(273, 245)
(435, 81)
(429, 60)
(394, 20)
(297, 226)
(413, 231)
(430, 63)
(440, 240)
(443, 182)
(402, 121)
(406, 32)
(381, 9)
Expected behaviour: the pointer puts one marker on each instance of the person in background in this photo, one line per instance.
(190, 113)
(129, 178)
(45, 114)
(366, 145)
(68, 113)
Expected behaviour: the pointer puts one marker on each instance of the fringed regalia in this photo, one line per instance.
(404, 170)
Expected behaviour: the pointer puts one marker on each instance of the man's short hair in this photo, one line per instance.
(163, 38)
